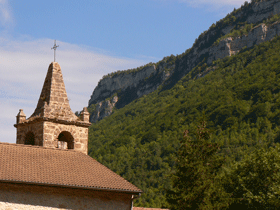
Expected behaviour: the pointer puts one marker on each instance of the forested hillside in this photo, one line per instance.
(253, 23)
(241, 101)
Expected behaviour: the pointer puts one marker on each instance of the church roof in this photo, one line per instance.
(53, 102)
(55, 167)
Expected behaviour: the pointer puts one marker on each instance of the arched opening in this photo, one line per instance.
(29, 138)
(65, 140)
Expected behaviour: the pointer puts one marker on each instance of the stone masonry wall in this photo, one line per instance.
(52, 131)
(53, 100)
(35, 128)
(26, 197)
(46, 134)
(53, 116)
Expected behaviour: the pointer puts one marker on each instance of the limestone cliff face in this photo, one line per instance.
(128, 86)
(205, 48)
(121, 88)
(111, 84)
(103, 109)
(231, 46)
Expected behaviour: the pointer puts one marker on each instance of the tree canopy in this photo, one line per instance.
(194, 182)
(254, 182)
(241, 101)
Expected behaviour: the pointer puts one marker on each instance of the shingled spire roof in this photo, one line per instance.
(53, 124)
(53, 101)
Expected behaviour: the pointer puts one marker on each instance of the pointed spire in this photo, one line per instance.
(85, 115)
(21, 117)
(53, 101)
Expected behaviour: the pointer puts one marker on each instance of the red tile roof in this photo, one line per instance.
(46, 166)
(142, 208)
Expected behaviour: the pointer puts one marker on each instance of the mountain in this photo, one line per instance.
(250, 25)
(230, 76)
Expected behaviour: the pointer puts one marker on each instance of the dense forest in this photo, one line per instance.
(239, 97)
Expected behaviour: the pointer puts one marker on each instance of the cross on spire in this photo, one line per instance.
(54, 48)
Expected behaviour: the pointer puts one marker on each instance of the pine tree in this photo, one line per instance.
(195, 185)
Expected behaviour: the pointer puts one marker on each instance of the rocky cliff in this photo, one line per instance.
(231, 46)
(103, 109)
(120, 88)
(250, 25)
(110, 84)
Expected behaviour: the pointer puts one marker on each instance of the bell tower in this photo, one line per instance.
(53, 124)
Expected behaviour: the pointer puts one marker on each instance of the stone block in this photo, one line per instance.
(53, 104)
(61, 100)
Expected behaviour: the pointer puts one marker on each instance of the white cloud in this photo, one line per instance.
(5, 13)
(23, 67)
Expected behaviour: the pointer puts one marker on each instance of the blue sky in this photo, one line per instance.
(95, 37)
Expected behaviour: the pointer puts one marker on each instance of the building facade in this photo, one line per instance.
(49, 166)
(53, 124)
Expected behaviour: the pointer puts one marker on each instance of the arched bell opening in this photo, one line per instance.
(65, 140)
(29, 138)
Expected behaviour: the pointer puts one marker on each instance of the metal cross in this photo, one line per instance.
(54, 48)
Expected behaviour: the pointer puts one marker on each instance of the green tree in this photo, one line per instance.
(241, 99)
(194, 183)
(254, 182)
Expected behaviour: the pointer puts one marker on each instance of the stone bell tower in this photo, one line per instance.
(53, 124)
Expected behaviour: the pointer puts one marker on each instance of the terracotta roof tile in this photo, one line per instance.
(34, 164)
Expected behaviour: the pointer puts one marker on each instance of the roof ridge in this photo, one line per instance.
(40, 147)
